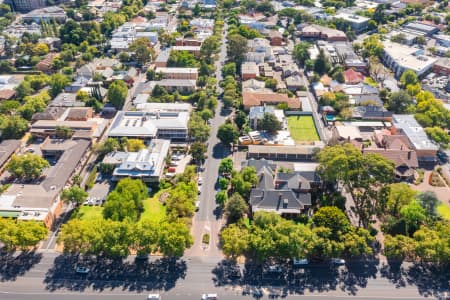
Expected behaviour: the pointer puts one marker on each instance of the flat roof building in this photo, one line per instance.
(400, 58)
(149, 125)
(407, 125)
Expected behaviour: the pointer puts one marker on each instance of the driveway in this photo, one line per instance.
(442, 193)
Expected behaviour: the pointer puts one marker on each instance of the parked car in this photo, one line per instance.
(197, 205)
(30, 150)
(176, 157)
(296, 262)
(153, 297)
(209, 297)
(338, 261)
(82, 270)
(200, 181)
(199, 189)
(274, 269)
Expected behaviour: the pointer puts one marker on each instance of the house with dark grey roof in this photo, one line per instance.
(287, 194)
(7, 149)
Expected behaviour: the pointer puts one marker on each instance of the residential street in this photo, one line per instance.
(207, 219)
(51, 276)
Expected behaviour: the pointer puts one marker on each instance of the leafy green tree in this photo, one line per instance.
(414, 215)
(117, 93)
(180, 203)
(145, 237)
(229, 69)
(57, 84)
(182, 59)
(235, 240)
(174, 239)
(433, 244)
(109, 145)
(226, 166)
(221, 198)
(240, 119)
(244, 181)
(74, 194)
(301, 53)
(21, 235)
(399, 195)
(408, 77)
(363, 175)
(270, 123)
(28, 166)
(63, 132)
(197, 129)
(400, 102)
(6, 67)
(120, 207)
(235, 208)
(236, 48)
(198, 151)
(24, 89)
(322, 64)
(398, 247)
(227, 134)
(134, 145)
(209, 47)
(439, 135)
(372, 46)
(333, 218)
(429, 201)
(13, 127)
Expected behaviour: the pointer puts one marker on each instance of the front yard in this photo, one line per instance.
(88, 213)
(302, 128)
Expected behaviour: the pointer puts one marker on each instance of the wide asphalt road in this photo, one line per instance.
(51, 276)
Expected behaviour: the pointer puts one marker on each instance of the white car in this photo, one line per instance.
(209, 297)
(300, 261)
(82, 270)
(153, 297)
(338, 261)
(197, 205)
(200, 181)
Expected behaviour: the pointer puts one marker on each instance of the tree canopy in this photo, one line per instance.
(117, 93)
(27, 166)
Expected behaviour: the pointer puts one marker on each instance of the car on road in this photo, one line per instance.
(297, 262)
(274, 269)
(209, 297)
(82, 270)
(153, 297)
(176, 157)
(197, 205)
(199, 189)
(338, 261)
(30, 150)
(200, 181)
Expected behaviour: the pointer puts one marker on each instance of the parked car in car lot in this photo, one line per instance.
(338, 261)
(153, 297)
(297, 262)
(82, 270)
(209, 297)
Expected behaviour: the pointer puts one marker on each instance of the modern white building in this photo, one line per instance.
(146, 164)
(150, 125)
(400, 58)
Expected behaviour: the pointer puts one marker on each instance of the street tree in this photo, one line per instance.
(174, 238)
(198, 151)
(221, 198)
(301, 53)
(226, 166)
(235, 208)
(145, 237)
(142, 49)
(236, 48)
(28, 166)
(235, 240)
(21, 234)
(197, 128)
(227, 134)
(117, 93)
(74, 194)
(240, 119)
(332, 218)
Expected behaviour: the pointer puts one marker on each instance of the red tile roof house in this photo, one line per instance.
(251, 99)
(353, 77)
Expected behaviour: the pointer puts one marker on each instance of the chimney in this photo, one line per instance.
(409, 155)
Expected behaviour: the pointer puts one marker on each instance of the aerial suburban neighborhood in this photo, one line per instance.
(224, 149)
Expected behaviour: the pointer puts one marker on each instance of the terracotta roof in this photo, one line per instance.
(326, 80)
(257, 99)
(352, 76)
(7, 94)
(399, 157)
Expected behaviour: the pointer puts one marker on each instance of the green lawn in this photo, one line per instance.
(444, 211)
(302, 128)
(89, 212)
(153, 209)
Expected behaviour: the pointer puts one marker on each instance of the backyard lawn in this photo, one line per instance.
(153, 209)
(444, 211)
(302, 128)
(89, 212)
